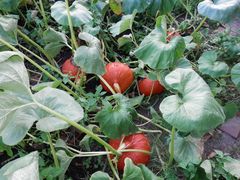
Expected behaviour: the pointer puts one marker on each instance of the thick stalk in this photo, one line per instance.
(172, 147)
(199, 26)
(53, 152)
(43, 14)
(73, 38)
(49, 65)
(40, 68)
(28, 40)
(79, 127)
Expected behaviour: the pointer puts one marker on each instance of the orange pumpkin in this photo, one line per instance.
(148, 87)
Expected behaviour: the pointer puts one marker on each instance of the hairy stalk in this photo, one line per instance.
(49, 65)
(199, 26)
(40, 68)
(80, 128)
(73, 38)
(112, 167)
(53, 152)
(172, 147)
(31, 42)
(43, 14)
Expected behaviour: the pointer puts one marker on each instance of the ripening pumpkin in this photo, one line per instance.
(149, 87)
(134, 141)
(119, 76)
(69, 68)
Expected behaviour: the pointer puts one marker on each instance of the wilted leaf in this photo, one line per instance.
(22, 168)
(80, 15)
(89, 58)
(193, 108)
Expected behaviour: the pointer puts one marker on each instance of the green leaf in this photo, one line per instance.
(131, 171)
(158, 54)
(124, 24)
(117, 120)
(55, 41)
(230, 110)
(207, 166)
(40, 86)
(183, 63)
(80, 15)
(148, 174)
(99, 175)
(235, 75)
(9, 5)
(189, 42)
(125, 39)
(5, 148)
(209, 65)
(139, 5)
(193, 108)
(232, 166)
(22, 168)
(89, 58)
(161, 6)
(219, 10)
(187, 150)
(61, 102)
(116, 6)
(8, 28)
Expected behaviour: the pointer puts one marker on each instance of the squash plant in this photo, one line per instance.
(116, 43)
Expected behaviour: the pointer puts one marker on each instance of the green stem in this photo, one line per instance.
(79, 127)
(43, 14)
(172, 147)
(49, 65)
(112, 167)
(53, 152)
(199, 26)
(28, 40)
(73, 38)
(191, 14)
(40, 68)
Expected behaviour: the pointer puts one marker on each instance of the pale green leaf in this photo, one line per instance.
(24, 168)
(124, 24)
(193, 108)
(219, 10)
(117, 120)
(89, 58)
(61, 102)
(209, 65)
(207, 166)
(235, 75)
(187, 150)
(232, 166)
(99, 175)
(8, 28)
(80, 15)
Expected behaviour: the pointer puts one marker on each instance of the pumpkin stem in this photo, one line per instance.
(117, 87)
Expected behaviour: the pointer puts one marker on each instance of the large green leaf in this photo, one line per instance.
(89, 58)
(232, 166)
(100, 176)
(219, 10)
(9, 5)
(55, 41)
(116, 120)
(187, 150)
(124, 24)
(148, 174)
(209, 65)
(130, 5)
(22, 168)
(158, 54)
(235, 74)
(193, 108)
(131, 171)
(8, 28)
(61, 102)
(161, 6)
(80, 15)
(16, 115)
